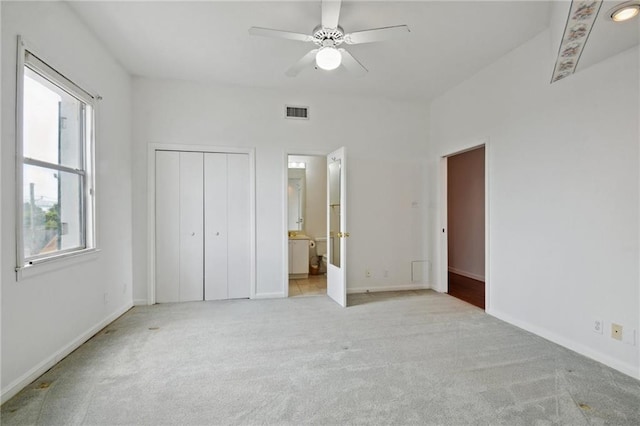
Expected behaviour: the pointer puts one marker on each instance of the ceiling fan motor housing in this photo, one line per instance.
(328, 36)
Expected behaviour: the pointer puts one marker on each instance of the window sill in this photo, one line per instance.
(43, 266)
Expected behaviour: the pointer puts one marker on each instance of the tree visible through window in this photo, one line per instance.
(57, 131)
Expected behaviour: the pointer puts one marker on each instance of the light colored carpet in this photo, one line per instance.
(390, 358)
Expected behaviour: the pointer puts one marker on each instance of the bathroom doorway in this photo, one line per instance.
(465, 225)
(307, 224)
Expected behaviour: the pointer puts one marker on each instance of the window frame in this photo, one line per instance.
(28, 58)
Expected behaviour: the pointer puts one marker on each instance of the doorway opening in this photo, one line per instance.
(465, 236)
(307, 224)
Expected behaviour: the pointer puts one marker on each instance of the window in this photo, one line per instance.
(55, 159)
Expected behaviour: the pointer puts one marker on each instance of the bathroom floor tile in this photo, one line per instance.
(294, 290)
(315, 285)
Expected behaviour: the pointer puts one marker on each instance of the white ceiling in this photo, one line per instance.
(608, 38)
(208, 41)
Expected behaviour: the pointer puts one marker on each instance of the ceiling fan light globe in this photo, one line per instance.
(328, 58)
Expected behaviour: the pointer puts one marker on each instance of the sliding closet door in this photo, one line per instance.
(239, 247)
(227, 219)
(216, 236)
(191, 226)
(179, 226)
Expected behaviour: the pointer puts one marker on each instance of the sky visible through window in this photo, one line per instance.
(40, 135)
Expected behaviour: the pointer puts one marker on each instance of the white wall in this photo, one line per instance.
(564, 193)
(47, 315)
(385, 142)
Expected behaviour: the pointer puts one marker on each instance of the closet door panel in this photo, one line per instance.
(191, 226)
(216, 236)
(167, 226)
(238, 226)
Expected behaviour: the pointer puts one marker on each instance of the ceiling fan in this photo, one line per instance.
(328, 36)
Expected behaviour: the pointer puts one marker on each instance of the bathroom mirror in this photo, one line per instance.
(296, 189)
(334, 211)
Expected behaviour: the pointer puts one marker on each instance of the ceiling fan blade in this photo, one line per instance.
(267, 32)
(352, 64)
(306, 60)
(330, 13)
(376, 34)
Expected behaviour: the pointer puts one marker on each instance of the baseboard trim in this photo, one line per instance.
(140, 302)
(622, 367)
(20, 383)
(279, 295)
(466, 274)
(358, 290)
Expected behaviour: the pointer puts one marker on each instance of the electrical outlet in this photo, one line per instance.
(124, 288)
(386, 273)
(367, 273)
(106, 297)
(598, 326)
(616, 331)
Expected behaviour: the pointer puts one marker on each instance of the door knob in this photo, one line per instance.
(193, 234)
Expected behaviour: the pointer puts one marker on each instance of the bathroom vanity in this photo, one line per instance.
(298, 257)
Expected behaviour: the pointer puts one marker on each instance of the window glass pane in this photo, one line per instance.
(53, 122)
(52, 211)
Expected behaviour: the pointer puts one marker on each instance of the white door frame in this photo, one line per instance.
(442, 230)
(151, 207)
(285, 209)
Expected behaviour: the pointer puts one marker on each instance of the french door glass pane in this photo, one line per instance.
(52, 123)
(52, 211)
